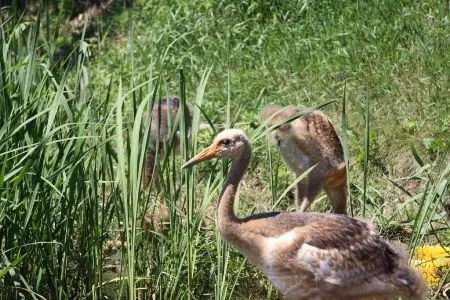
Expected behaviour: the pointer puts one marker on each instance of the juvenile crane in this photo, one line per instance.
(160, 127)
(312, 256)
(307, 141)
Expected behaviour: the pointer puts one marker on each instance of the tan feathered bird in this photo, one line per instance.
(163, 116)
(309, 255)
(307, 141)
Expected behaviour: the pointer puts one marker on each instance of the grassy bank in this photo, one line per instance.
(71, 153)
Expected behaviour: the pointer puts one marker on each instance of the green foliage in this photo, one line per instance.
(71, 152)
(51, 165)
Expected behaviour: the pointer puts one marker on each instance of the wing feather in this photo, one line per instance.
(335, 250)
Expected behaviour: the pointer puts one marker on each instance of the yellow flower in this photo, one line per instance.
(433, 262)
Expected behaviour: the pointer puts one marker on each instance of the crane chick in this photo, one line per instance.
(309, 256)
(163, 117)
(305, 142)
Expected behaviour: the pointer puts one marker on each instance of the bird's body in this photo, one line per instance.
(325, 256)
(163, 118)
(157, 220)
(305, 142)
(309, 255)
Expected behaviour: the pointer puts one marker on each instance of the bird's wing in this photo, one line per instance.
(334, 250)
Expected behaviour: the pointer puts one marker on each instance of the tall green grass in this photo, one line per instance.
(72, 152)
(53, 158)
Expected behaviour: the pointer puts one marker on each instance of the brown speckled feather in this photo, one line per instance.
(163, 117)
(328, 255)
(310, 256)
(316, 134)
(168, 109)
(304, 142)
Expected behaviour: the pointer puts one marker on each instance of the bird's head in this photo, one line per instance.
(227, 144)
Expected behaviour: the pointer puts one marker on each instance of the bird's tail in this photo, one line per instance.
(408, 279)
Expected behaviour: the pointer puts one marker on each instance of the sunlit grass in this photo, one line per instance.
(71, 152)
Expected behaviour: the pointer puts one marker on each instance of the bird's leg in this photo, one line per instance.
(148, 169)
(307, 192)
(338, 197)
(161, 157)
(151, 170)
(300, 204)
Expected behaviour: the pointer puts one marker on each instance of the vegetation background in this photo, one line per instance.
(77, 75)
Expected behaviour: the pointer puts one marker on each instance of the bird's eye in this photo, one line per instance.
(226, 142)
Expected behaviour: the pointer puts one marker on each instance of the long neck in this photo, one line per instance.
(226, 217)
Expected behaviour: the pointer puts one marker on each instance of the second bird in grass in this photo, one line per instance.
(314, 256)
(305, 142)
(163, 117)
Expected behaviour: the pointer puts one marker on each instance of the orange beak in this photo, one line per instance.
(208, 153)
